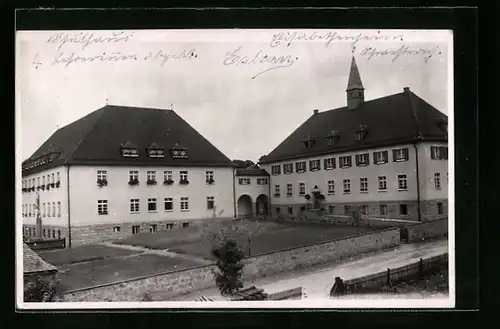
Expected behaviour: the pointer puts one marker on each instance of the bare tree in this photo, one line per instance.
(214, 231)
(251, 229)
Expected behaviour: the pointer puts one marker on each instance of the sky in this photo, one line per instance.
(244, 90)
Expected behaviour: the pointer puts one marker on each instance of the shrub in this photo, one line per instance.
(40, 290)
(230, 267)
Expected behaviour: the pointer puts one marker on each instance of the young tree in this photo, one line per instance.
(214, 232)
(250, 229)
(356, 217)
(230, 267)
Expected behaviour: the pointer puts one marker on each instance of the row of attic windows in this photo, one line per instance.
(333, 137)
(154, 151)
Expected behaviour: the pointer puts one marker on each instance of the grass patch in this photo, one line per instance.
(83, 254)
(83, 275)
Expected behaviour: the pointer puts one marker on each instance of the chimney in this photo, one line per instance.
(406, 89)
(316, 111)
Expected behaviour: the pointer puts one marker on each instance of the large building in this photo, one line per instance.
(122, 170)
(387, 157)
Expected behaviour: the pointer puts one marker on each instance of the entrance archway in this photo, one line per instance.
(262, 204)
(244, 205)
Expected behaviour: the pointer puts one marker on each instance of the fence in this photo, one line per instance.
(46, 244)
(389, 276)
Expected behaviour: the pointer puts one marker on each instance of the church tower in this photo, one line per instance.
(355, 91)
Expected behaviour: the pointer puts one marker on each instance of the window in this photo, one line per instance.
(290, 210)
(275, 169)
(331, 209)
(152, 205)
(278, 210)
(136, 229)
(116, 229)
(133, 175)
(244, 181)
(363, 185)
(302, 188)
(29, 210)
(102, 175)
(276, 191)
(43, 180)
(439, 152)
(169, 204)
(44, 213)
(362, 160)
(402, 182)
(347, 186)
(331, 187)
(289, 190)
(209, 177)
(382, 183)
(383, 209)
(346, 210)
(58, 180)
(403, 209)
(329, 163)
(437, 181)
(332, 137)
(186, 224)
(184, 175)
(53, 234)
(288, 168)
(300, 166)
(48, 210)
(58, 208)
(262, 181)
(302, 209)
(151, 175)
(345, 161)
(380, 157)
(440, 208)
(152, 228)
(134, 205)
(184, 204)
(400, 154)
(364, 210)
(167, 175)
(53, 209)
(314, 165)
(38, 181)
(102, 207)
(58, 234)
(210, 202)
(169, 226)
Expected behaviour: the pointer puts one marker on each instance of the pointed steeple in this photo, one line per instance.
(355, 90)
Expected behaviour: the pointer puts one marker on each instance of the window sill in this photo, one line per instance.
(329, 168)
(362, 165)
(101, 214)
(345, 167)
(363, 192)
(185, 210)
(346, 193)
(171, 210)
(315, 169)
(135, 212)
(152, 211)
(381, 162)
(402, 189)
(400, 160)
(382, 191)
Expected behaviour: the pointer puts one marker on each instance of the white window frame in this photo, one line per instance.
(363, 159)
(289, 190)
(437, 181)
(209, 175)
(102, 207)
(316, 166)
(276, 169)
(212, 200)
(288, 168)
(329, 163)
(400, 155)
(331, 187)
(380, 157)
(346, 183)
(183, 175)
(153, 201)
(383, 206)
(102, 174)
(134, 206)
(133, 175)
(300, 167)
(58, 208)
(244, 181)
(302, 188)
(363, 185)
(344, 161)
(171, 202)
(262, 181)
(277, 190)
(382, 183)
(402, 182)
(184, 203)
(151, 175)
(167, 175)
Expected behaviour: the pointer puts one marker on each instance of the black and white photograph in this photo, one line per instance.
(229, 168)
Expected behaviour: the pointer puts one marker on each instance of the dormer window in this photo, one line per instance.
(179, 152)
(442, 124)
(129, 150)
(333, 137)
(308, 142)
(154, 151)
(361, 132)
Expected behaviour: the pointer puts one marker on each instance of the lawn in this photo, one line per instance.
(162, 239)
(287, 236)
(82, 275)
(83, 254)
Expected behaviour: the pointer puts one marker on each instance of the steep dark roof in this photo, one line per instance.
(98, 137)
(32, 263)
(251, 172)
(390, 120)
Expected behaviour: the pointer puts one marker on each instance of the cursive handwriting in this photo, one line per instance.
(287, 38)
(165, 57)
(66, 59)
(404, 50)
(86, 39)
(260, 58)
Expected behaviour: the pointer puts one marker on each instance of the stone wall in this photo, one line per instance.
(428, 230)
(173, 284)
(48, 231)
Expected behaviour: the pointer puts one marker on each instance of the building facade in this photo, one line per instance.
(387, 157)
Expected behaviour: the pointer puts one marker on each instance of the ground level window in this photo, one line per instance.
(290, 210)
(440, 208)
(302, 209)
(116, 229)
(383, 209)
(152, 228)
(403, 209)
(278, 210)
(58, 234)
(185, 224)
(151, 204)
(331, 209)
(169, 226)
(136, 229)
(346, 210)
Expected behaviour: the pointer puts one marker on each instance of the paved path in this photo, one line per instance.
(160, 252)
(316, 283)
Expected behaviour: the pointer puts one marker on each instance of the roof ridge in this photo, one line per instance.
(70, 156)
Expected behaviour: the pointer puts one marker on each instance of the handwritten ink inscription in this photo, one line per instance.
(287, 38)
(86, 39)
(260, 58)
(403, 50)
